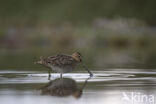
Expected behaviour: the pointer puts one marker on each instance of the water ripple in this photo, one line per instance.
(12, 77)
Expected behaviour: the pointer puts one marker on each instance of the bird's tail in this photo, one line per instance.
(40, 61)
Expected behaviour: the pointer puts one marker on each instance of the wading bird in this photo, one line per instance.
(62, 63)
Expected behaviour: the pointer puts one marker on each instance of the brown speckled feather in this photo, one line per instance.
(60, 60)
(61, 63)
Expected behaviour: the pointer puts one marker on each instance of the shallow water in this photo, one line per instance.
(117, 86)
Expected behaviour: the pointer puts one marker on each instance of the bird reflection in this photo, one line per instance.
(62, 87)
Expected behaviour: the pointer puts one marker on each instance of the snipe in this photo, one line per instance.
(62, 63)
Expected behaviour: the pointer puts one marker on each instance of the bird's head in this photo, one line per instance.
(77, 56)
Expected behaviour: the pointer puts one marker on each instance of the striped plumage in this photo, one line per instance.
(61, 63)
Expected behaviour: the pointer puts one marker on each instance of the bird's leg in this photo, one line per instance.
(49, 76)
(90, 73)
(61, 75)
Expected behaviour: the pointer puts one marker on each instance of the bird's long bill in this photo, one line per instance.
(91, 74)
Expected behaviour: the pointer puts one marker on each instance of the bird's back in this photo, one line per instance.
(60, 63)
(61, 60)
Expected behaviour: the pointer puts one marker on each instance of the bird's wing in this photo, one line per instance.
(60, 60)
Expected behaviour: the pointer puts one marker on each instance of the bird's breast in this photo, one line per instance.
(64, 69)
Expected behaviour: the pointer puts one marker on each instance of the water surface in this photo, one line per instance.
(117, 86)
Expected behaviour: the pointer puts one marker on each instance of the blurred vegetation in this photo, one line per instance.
(108, 33)
(37, 12)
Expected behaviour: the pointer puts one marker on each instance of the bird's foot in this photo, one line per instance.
(49, 76)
